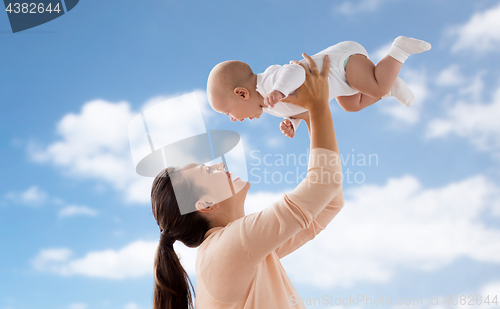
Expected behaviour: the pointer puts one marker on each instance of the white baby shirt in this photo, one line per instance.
(287, 78)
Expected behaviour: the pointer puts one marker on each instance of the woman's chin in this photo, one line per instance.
(239, 184)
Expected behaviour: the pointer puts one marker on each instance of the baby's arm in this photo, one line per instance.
(288, 126)
(287, 79)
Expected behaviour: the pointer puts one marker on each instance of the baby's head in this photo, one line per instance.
(231, 90)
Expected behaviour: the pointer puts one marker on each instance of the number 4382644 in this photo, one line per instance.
(32, 8)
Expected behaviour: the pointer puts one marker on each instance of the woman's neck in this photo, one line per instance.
(226, 213)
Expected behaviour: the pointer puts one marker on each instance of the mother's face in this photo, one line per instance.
(217, 183)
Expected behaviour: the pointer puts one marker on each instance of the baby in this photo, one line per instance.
(353, 80)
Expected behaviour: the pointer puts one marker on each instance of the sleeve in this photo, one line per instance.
(295, 122)
(289, 78)
(318, 224)
(264, 232)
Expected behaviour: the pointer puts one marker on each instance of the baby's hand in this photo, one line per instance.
(273, 97)
(286, 128)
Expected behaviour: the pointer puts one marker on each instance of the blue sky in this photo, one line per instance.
(76, 229)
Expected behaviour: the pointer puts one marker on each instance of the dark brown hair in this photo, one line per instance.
(172, 284)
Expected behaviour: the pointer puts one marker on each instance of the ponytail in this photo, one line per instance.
(171, 280)
(172, 283)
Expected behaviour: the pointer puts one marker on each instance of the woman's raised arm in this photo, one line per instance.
(313, 96)
(266, 231)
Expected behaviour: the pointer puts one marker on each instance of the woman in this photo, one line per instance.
(237, 264)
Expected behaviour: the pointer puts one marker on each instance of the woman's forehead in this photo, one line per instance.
(189, 166)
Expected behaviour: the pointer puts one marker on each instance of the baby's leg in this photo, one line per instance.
(375, 81)
(356, 102)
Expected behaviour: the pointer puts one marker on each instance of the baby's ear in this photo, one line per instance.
(242, 93)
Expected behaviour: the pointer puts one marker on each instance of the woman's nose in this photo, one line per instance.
(218, 166)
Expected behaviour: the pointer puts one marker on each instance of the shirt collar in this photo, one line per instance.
(259, 85)
(211, 231)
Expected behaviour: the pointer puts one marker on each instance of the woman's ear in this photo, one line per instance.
(206, 204)
(242, 93)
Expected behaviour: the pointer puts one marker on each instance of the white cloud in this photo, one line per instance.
(417, 82)
(132, 306)
(473, 299)
(450, 76)
(476, 122)
(475, 89)
(50, 256)
(132, 261)
(349, 8)
(277, 141)
(481, 33)
(33, 196)
(260, 200)
(94, 144)
(491, 289)
(380, 53)
(205, 108)
(401, 224)
(78, 306)
(74, 210)
(379, 230)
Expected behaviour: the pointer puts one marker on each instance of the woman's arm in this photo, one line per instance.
(318, 224)
(323, 218)
(264, 232)
(313, 96)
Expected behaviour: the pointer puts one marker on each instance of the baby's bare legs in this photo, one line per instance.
(374, 81)
(356, 102)
(377, 81)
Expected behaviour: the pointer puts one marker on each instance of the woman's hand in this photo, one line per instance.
(314, 91)
(313, 96)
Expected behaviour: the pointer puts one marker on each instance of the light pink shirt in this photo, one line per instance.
(238, 266)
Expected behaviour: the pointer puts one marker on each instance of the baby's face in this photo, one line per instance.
(237, 110)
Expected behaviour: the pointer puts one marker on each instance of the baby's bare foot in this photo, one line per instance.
(286, 128)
